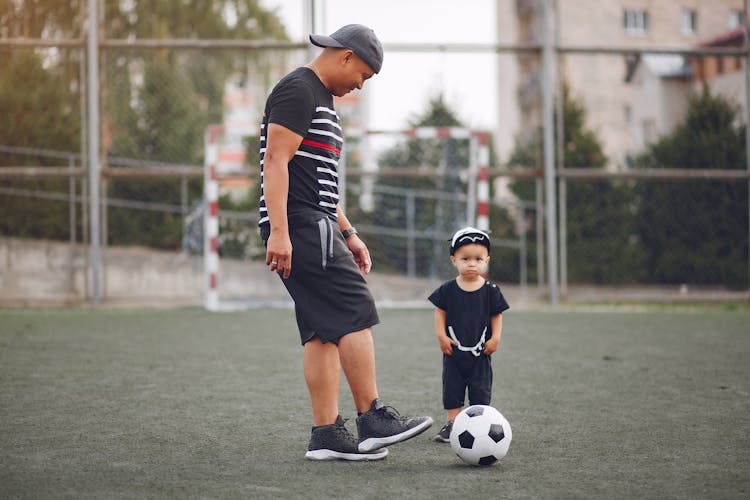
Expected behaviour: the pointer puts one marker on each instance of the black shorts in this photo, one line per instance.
(462, 371)
(331, 297)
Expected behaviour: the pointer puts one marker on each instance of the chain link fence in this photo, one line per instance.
(651, 196)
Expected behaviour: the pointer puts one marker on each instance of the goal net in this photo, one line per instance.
(406, 192)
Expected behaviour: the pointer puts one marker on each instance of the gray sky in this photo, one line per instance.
(407, 80)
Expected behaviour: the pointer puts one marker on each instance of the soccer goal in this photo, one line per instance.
(406, 191)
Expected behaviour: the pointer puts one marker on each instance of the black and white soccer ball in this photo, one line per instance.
(481, 435)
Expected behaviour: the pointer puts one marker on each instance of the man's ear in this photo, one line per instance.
(348, 56)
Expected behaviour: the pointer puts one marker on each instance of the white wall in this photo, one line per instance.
(42, 272)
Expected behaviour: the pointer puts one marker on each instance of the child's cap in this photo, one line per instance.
(469, 235)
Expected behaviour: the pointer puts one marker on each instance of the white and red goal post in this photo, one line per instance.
(211, 218)
(483, 181)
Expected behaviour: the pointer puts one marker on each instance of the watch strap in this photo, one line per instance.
(348, 232)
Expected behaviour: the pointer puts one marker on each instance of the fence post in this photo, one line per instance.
(411, 269)
(522, 248)
(549, 154)
(92, 89)
(746, 68)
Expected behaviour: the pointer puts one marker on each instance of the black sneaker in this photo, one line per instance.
(335, 442)
(382, 425)
(444, 436)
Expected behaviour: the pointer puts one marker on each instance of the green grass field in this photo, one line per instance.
(109, 403)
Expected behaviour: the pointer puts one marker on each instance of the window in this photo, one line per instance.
(689, 22)
(735, 19)
(635, 22)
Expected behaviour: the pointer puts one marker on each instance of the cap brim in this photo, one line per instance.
(325, 41)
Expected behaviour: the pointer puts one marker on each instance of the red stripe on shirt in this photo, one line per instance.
(321, 145)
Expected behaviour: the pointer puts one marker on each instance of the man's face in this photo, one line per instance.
(354, 72)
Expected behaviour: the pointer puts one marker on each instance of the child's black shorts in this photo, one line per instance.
(331, 297)
(462, 371)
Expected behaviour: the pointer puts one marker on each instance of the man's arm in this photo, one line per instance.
(281, 144)
(355, 244)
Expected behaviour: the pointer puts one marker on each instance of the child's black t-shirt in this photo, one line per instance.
(468, 313)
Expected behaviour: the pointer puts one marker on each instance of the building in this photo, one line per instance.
(660, 91)
(724, 75)
(599, 80)
(661, 86)
(243, 101)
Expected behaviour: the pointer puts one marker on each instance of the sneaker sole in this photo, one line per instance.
(441, 439)
(371, 444)
(321, 455)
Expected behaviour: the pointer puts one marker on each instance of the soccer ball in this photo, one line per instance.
(481, 435)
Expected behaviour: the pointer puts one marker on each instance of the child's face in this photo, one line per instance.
(471, 260)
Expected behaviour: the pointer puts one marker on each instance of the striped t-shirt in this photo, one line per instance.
(301, 103)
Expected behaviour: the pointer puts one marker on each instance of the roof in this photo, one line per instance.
(733, 37)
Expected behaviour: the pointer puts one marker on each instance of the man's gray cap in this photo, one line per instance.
(359, 38)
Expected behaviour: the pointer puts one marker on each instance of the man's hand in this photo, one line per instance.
(279, 253)
(361, 253)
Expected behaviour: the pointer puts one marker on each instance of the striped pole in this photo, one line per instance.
(483, 184)
(211, 218)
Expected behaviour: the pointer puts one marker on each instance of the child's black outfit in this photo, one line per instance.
(468, 322)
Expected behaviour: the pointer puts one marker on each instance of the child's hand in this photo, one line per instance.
(491, 345)
(446, 344)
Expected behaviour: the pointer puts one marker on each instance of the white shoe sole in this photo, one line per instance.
(371, 444)
(354, 457)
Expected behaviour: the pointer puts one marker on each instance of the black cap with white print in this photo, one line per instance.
(469, 235)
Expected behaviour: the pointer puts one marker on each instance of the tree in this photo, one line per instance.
(449, 159)
(166, 126)
(163, 117)
(34, 18)
(156, 102)
(600, 224)
(41, 115)
(696, 232)
(39, 103)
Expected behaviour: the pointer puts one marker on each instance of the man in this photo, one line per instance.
(314, 248)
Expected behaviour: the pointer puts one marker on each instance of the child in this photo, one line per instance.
(468, 325)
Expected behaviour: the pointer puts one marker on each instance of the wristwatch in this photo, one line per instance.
(348, 232)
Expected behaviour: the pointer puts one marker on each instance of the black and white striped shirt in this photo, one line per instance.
(301, 103)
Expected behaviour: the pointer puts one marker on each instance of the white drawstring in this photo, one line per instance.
(477, 349)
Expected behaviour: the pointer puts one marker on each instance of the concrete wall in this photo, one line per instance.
(42, 272)
(51, 273)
